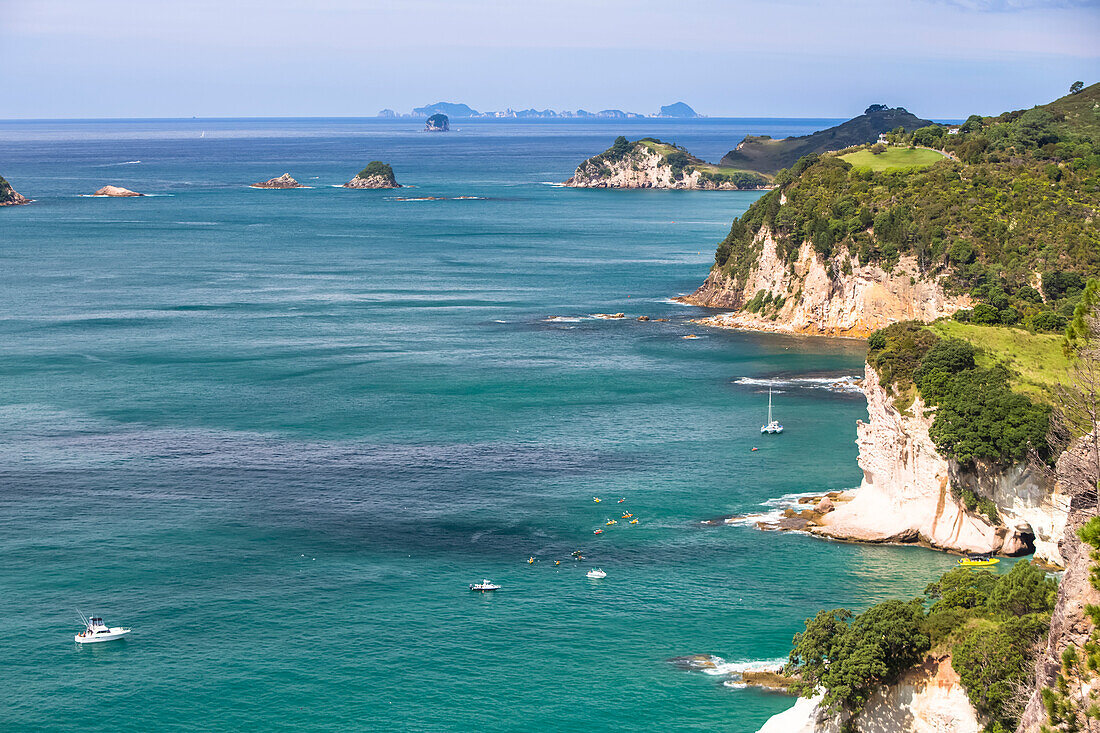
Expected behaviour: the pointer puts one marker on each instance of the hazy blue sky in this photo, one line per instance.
(807, 58)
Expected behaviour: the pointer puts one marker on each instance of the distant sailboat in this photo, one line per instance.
(773, 426)
(203, 134)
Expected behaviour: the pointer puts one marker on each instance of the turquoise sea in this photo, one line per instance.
(278, 433)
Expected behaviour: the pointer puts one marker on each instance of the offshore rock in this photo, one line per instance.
(116, 191)
(283, 181)
(376, 175)
(9, 196)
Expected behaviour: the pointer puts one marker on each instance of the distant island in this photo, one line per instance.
(765, 155)
(8, 195)
(283, 181)
(376, 175)
(438, 123)
(457, 110)
(653, 163)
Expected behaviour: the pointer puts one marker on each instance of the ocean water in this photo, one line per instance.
(278, 433)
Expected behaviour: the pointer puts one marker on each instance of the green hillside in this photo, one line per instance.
(765, 155)
(893, 158)
(1013, 222)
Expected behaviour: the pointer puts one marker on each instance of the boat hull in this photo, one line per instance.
(113, 635)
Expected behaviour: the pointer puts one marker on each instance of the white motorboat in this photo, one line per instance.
(773, 427)
(95, 630)
(595, 574)
(484, 585)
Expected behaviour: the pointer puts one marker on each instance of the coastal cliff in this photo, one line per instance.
(9, 196)
(835, 296)
(650, 163)
(1071, 625)
(926, 699)
(910, 493)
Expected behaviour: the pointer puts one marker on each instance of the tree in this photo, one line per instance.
(985, 314)
(993, 663)
(961, 588)
(1076, 87)
(849, 661)
(1025, 589)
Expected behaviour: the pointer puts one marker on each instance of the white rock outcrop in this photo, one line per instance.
(820, 297)
(642, 168)
(908, 492)
(116, 192)
(927, 699)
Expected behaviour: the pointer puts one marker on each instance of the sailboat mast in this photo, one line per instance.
(769, 405)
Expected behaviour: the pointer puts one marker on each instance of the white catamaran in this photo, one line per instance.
(773, 426)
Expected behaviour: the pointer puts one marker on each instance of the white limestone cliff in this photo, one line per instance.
(643, 168)
(909, 491)
(834, 297)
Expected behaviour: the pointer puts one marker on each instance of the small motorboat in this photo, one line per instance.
(484, 586)
(977, 560)
(595, 574)
(95, 630)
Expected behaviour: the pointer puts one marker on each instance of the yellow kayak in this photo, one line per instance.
(633, 521)
(609, 522)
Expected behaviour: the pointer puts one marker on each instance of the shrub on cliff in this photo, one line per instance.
(896, 351)
(377, 168)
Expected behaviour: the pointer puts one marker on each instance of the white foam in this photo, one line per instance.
(775, 506)
(716, 666)
(846, 383)
(565, 319)
(671, 301)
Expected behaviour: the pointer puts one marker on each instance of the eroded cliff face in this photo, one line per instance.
(835, 297)
(927, 699)
(641, 168)
(1069, 624)
(908, 492)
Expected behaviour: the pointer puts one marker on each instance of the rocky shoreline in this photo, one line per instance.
(9, 196)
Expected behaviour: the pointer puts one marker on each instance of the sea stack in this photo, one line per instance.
(376, 175)
(116, 192)
(8, 195)
(437, 123)
(283, 181)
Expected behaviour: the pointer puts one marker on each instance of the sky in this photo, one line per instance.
(941, 59)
